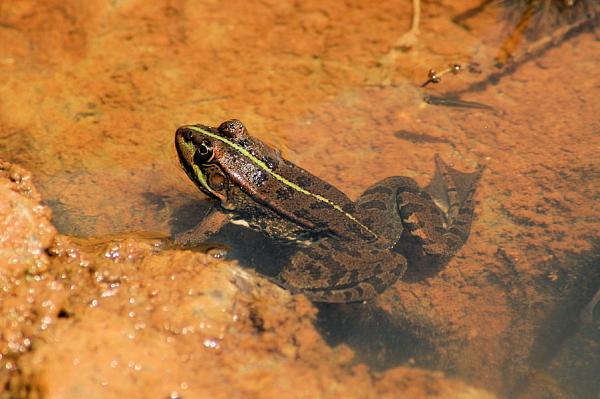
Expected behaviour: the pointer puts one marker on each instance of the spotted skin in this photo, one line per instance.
(337, 276)
(389, 207)
(346, 250)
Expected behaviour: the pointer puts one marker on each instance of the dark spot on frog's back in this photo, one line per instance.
(301, 213)
(270, 162)
(244, 143)
(349, 207)
(284, 193)
(304, 180)
(259, 177)
(319, 205)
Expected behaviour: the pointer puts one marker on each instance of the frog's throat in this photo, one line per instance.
(277, 176)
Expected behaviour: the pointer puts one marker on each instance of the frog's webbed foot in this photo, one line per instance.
(330, 271)
(439, 217)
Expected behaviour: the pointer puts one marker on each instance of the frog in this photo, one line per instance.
(347, 250)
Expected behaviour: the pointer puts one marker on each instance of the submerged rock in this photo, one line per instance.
(120, 317)
(25, 228)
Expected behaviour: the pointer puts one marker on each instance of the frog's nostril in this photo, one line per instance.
(184, 134)
(181, 134)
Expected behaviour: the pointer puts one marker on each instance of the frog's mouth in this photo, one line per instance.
(200, 173)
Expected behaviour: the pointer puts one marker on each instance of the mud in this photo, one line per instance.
(90, 96)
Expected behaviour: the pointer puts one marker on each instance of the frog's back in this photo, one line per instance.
(314, 201)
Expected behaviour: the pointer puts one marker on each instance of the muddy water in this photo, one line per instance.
(91, 95)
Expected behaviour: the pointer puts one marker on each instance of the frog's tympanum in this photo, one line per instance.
(346, 249)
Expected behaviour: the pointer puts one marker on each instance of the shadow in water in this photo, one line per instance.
(565, 352)
(378, 340)
(188, 215)
(252, 249)
(383, 341)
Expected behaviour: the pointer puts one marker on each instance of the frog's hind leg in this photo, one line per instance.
(362, 291)
(335, 271)
(441, 220)
(455, 190)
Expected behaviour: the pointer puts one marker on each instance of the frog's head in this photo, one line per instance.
(217, 160)
(200, 149)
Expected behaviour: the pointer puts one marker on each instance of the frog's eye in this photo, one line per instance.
(232, 128)
(204, 153)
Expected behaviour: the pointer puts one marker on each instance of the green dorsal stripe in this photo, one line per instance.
(282, 179)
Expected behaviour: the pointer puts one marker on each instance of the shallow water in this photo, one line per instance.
(92, 94)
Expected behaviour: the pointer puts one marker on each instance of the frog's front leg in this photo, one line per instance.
(340, 272)
(212, 223)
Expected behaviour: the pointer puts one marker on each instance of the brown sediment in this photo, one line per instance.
(92, 93)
